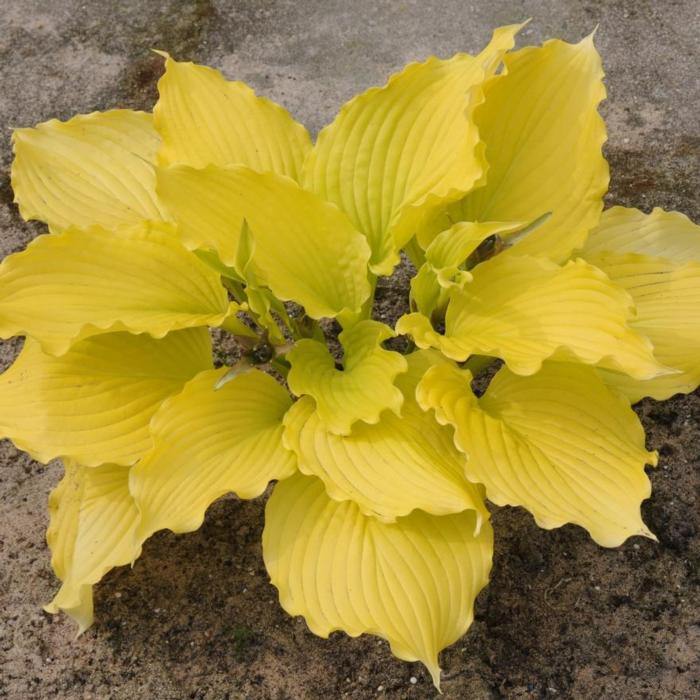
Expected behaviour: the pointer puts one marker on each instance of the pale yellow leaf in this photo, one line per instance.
(93, 170)
(412, 582)
(205, 119)
(392, 467)
(656, 259)
(526, 310)
(667, 298)
(305, 249)
(361, 389)
(396, 152)
(94, 403)
(208, 442)
(664, 234)
(69, 286)
(558, 442)
(543, 138)
(92, 528)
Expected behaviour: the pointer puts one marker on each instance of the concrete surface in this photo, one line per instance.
(196, 617)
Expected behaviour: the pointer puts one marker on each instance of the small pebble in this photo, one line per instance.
(380, 688)
(117, 595)
(413, 680)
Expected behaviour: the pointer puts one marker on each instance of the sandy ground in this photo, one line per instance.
(196, 617)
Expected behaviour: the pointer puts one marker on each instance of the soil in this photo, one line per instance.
(196, 617)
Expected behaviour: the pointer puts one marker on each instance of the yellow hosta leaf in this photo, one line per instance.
(208, 442)
(396, 152)
(69, 286)
(93, 522)
(427, 294)
(656, 259)
(93, 170)
(526, 310)
(558, 443)
(362, 389)
(388, 469)
(543, 138)
(664, 234)
(94, 403)
(412, 582)
(305, 249)
(205, 119)
(667, 297)
(260, 300)
(445, 258)
(452, 247)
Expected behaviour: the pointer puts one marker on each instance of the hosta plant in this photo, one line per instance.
(218, 211)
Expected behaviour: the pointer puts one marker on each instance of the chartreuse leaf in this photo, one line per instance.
(526, 310)
(667, 297)
(396, 152)
(208, 442)
(543, 138)
(93, 170)
(361, 390)
(94, 403)
(392, 467)
(205, 119)
(656, 259)
(412, 582)
(305, 249)
(558, 443)
(444, 261)
(69, 286)
(260, 300)
(92, 526)
(663, 234)
(453, 247)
